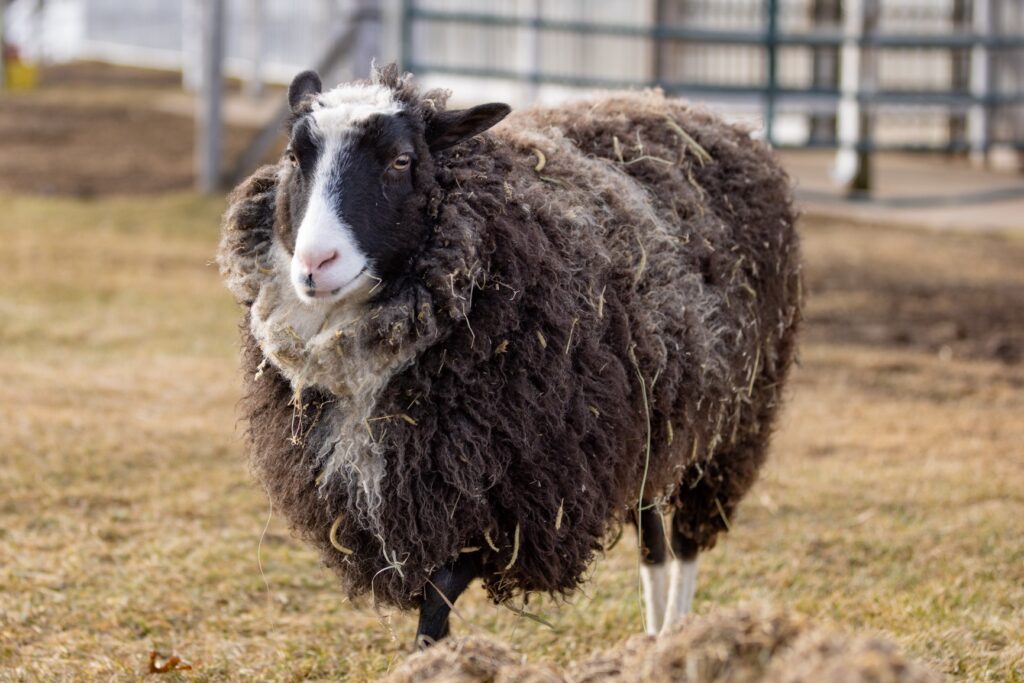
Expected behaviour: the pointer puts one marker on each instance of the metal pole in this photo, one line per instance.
(407, 58)
(208, 114)
(530, 52)
(3, 60)
(367, 46)
(857, 77)
(191, 48)
(658, 43)
(39, 18)
(959, 77)
(772, 8)
(254, 77)
(535, 55)
(327, 24)
(979, 117)
(824, 70)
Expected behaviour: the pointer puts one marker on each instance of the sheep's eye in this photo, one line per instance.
(292, 159)
(402, 162)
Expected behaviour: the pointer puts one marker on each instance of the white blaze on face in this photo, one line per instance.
(327, 264)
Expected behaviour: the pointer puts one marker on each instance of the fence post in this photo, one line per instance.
(772, 7)
(3, 59)
(208, 105)
(40, 32)
(191, 76)
(407, 46)
(979, 117)
(857, 79)
(529, 49)
(824, 70)
(657, 43)
(960, 74)
(254, 43)
(367, 45)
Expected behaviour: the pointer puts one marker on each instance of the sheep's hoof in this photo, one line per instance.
(424, 640)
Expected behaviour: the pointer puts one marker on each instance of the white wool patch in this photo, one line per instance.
(339, 110)
(323, 345)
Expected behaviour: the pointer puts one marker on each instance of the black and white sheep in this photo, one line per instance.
(474, 354)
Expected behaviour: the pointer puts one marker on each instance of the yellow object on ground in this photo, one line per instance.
(21, 75)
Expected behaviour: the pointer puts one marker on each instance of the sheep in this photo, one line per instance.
(476, 344)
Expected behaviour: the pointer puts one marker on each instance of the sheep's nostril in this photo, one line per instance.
(313, 263)
(327, 261)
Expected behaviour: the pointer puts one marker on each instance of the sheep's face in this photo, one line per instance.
(355, 185)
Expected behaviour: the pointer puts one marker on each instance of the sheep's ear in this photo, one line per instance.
(449, 128)
(306, 83)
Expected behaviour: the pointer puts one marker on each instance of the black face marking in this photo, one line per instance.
(305, 146)
(373, 191)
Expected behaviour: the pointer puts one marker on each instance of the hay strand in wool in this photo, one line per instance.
(515, 549)
(333, 536)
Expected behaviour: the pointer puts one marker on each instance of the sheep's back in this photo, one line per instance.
(694, 222)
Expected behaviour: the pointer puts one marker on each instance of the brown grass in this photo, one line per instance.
(893, 504)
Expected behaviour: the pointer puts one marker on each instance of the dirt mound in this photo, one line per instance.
(734, 645)
(824, 656)
(740, 645)
(458, 660)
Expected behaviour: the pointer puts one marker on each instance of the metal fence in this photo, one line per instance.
(272, 38)
(859, 74)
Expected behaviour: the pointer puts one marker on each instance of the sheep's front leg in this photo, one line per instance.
(654, 575)
(445, 587)
(683, 579)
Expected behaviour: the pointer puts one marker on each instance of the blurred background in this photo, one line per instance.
(849, 83)
(892, 502)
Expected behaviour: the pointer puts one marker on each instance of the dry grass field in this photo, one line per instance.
(893, 504)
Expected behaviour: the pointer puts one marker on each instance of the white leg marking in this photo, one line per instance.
(681, 588)
(654, 578)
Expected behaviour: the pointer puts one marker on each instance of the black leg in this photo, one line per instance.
(450, 580)
(653, 572)
(683, 547)
(652, 535)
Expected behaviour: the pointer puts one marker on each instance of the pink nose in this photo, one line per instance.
(313, 262)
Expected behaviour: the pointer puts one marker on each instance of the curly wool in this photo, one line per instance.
(613, 323)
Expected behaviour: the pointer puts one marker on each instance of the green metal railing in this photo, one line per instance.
(770, 91)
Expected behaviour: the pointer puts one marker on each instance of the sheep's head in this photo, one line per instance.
(358, 172)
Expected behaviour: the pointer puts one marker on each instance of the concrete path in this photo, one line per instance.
(926, 190)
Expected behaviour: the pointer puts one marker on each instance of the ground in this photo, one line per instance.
(94, 130)
(893, 502)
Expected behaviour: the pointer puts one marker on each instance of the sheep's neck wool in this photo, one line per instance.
(331, 348)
